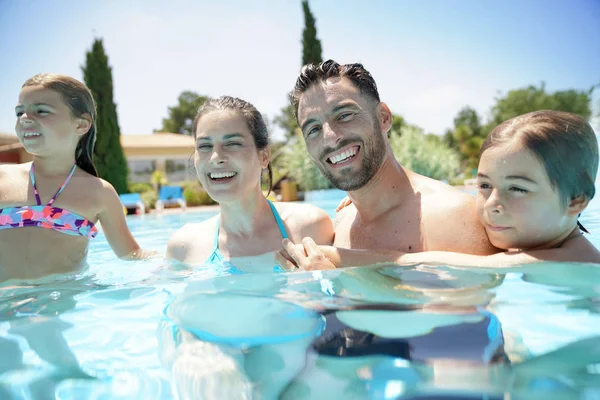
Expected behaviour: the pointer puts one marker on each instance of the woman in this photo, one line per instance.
(232, 150)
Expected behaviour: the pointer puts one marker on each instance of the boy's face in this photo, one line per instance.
(516, 202)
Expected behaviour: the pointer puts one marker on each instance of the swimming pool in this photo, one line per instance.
(147, 330)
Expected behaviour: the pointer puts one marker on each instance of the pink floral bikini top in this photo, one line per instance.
(48, 217)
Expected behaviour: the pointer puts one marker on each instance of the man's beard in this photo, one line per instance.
(373, 153)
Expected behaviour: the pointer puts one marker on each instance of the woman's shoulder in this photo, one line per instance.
(192, 241)
(301, 213)
(306, 220)
(195, 232)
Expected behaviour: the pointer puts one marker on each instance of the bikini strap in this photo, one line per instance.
(216, 241)
(60, 189)
(32, 178)
(278, 220)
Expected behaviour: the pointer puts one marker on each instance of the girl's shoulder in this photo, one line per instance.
(93, 185)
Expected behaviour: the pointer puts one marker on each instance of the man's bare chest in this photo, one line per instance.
(401, 234)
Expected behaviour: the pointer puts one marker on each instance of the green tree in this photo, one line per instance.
(398, 123)
(468, 116)
(311, 54)
(311, 45)
(109, 158)
(286, 121)
(466, 137)
(532, 98)
(182, 115)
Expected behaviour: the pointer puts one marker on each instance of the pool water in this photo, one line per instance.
(150, 330)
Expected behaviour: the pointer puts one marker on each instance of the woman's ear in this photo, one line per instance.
(264, 156)
(577, 205)
(84, 123)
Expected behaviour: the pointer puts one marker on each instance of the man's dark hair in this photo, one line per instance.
(313, 73)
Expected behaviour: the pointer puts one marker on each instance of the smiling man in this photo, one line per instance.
(345, 127)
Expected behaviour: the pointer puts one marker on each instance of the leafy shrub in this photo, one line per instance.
(139, 187)
(424, 154)
(149, 199)
(301, 167)
(195, 195)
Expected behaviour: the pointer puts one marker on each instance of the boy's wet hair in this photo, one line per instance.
(563, 142)
(80, 101)
(254, 120)
(314, 73)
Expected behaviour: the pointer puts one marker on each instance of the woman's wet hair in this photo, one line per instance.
(254, 120)
(80, 101)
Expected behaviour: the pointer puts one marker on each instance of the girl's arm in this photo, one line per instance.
(115, 227)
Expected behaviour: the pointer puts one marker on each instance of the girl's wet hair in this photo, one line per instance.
(563, 142)
(254, 120)
(80, 101)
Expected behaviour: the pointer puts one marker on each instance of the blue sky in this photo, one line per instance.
(429, 57)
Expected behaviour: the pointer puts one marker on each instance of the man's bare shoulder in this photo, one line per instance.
(450, 219)
(432, 190)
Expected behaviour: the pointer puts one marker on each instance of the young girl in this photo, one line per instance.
(536, 175)
(232, 150)
(49, 207)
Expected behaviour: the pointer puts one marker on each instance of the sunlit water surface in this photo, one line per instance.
(150, 330)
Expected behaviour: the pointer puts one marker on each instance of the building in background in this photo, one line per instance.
(168, 152)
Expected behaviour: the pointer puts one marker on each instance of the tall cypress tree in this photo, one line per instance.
(311, 45)
(311, 54)
(109, 158)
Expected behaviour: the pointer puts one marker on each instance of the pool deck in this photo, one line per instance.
(177, 210)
